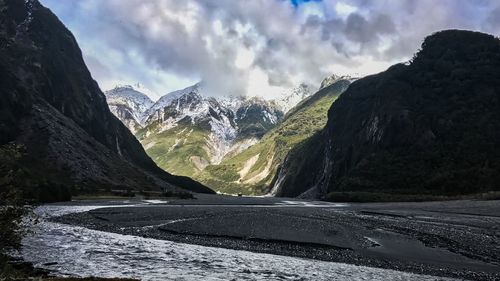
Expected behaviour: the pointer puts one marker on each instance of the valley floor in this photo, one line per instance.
(458, 239)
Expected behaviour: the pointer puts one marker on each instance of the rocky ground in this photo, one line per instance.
(455, 238)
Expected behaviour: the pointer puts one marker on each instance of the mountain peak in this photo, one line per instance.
(118, 87)
(129, 105)
(443, 45)
(333, 79)
(168, 98)
(445, 102)
(294, 96)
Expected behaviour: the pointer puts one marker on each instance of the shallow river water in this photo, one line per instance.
(76, 251)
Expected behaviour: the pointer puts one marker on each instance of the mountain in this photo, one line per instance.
(252, 170)
(57, 116)
(334, 78)
(290, 99)
(186, 130)
(256, 116)
(129, 105)
(427, 127)
(153, 111)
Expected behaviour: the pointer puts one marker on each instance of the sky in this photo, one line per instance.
(256, 47)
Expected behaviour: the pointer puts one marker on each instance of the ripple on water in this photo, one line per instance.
(77, 251)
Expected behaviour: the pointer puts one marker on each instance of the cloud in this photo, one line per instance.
(258, 47)
(492, 22)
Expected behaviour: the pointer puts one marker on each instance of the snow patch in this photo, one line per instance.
(294, 96)
(167, 99)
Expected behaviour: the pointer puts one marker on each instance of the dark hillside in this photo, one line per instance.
(51, 105)
(429, 127)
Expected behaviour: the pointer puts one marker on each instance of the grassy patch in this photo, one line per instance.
(172, 149)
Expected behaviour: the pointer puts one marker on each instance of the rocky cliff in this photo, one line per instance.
(430, 126)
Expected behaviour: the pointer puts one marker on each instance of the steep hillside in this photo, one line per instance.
(185, 130)
(251, 171)
(428, 127)
(129, 105)
(51, 106)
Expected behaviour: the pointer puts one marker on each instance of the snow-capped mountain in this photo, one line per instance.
(223, 122)
(135, 109)
(129, 105)
(167, 99)
(190, 105)
(294, 96)
(255, 116)
(186, 130)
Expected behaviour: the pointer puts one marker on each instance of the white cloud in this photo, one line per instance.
(256, 47)
(344, 9)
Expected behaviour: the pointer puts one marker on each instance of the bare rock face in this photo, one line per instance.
(51, 104)
(428, 127)
(129, 105)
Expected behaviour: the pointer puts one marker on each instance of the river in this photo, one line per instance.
(76, 251)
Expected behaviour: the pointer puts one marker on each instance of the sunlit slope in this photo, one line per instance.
(252, 170)
(181, 150)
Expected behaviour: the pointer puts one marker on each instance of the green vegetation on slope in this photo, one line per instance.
(181, 150)
(251, 171)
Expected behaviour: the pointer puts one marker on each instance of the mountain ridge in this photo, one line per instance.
(48, 89)
(252, 171)
(185, 131)
(284, 103)
(203, 129)
(129, 105)
(235, 122)
(426, 127)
